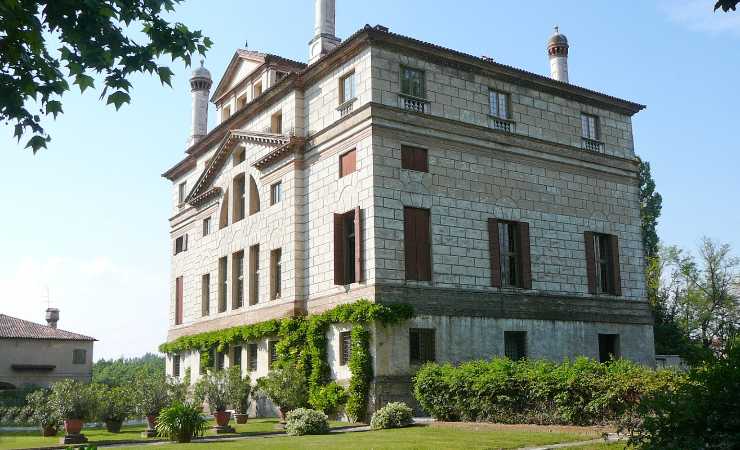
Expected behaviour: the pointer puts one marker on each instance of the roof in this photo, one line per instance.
(14, 328)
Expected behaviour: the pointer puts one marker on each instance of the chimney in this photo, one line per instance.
(200, 86)
(52, 317)
(323, 40)
(557, 49)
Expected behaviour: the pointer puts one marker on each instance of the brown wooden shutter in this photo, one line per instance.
(410, 244)
(524, 256)
(407, 157)
(495, 252)
(588, 238)
(339, 249)
(423, 245)
(616, 276)
(358, 244)
(420, 160)
(178, 301)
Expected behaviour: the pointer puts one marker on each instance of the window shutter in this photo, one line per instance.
(495, 252)
(339, 249)
(588, 237)
(420, 160)
(616, 276)
(407, 157)
(524, 256)
(410, 244)
(358, 244)
(185, 245)
(423, 245)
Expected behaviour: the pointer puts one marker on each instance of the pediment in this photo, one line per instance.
(242, 64)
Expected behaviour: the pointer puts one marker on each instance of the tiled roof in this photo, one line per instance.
(14, 328)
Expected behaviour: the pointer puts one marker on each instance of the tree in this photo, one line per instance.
(92, 37)
(651, 205)
(122, 371)
(726, 5)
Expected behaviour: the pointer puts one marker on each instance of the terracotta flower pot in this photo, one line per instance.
(222, 418)
(73, 426)
(282, 412)
(113, 426)
(50, 430)
(241, 419)
(151, 421)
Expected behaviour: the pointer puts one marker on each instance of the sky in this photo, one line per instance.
(86, 220)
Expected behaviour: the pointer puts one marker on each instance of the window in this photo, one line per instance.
(181, 244)
(257, 89)
(205, 294)
(412, 82)
(276, 193)
(417, 244)
(602, 264)
(237, 276)
(223, 266)
(254, 274)
(272, 351)
(515, 345)
(414, 158)
(347, 247)
(345, 347)
(276, 123)
(220, 360)
(181, 192)
(347, 88)
(608, 347)
(251, 357)
(79, 356)
(254, 197)
(276, 273)
(225, 113)
(207, 226)
(499, 104)
(240, 155)
(510, 254)
(236, 356)
(240, 199)
(178, 301)
(223, 219)
(347, 163)
(589, 126)
(241, 101)
(421, 345)
(175, 365)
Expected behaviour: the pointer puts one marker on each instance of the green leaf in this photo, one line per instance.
(37, 142)
(118, 98)
(165, 75)
(54, 107)
(84, 81)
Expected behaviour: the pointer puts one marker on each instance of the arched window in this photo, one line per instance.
(239, 198)
(254, 197)
(223, 220)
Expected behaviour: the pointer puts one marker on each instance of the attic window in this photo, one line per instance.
(257, 90)
(241, 101)
(225, 113)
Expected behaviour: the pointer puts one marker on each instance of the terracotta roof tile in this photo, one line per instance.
(14, 328)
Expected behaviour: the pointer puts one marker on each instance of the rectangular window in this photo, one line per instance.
(225, 113)
(602, 264)
(251, 357)
(220, 360)
(345, 347)
(237, 277)
(508, 236)
(206, 226)
(347, 247)
(509, 253)
(417, 244)
(236, 356)
(276, 123)
(589, 126)
(412, 82)
(347, 88)
(608, 347)
(223, 283)
(175, 365)
(257, 89)
(272, 352)
(414, 158)
(347, 163)
(181, 192)
(79, 356)
(181, 244)
(178, 301)
(254, 274)
(205, 294)
(240, 154)
(276, 273)
(276, 193)
(515, 345)
(240, 198)
(241, 101)
(499, 104)
(421, 345)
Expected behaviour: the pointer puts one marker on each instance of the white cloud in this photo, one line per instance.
(699, 15)
(125, 308)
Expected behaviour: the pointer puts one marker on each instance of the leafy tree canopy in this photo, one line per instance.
(122, 371)
(651, 205)
(726, 5)
(45, 44)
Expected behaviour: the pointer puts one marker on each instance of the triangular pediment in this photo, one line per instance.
(242, 64)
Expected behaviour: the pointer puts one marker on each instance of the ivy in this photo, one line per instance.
(302, 341)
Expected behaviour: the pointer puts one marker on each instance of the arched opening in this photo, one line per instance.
(239, 190)
(223, 220)
(254, 197)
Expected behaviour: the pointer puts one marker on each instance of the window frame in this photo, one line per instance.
(176, 365)
(413, 268)
(276, 122)
(345, 347)
(518, 339)
(79, 356)
(587, 129)
(237, 282)
(342, 162)
(422, 82)
(223, 283)
(236, 356)
(612, 340)
(276, 192)
(179, 300)
(252, 356)
(422, 354)
(343, 99)
(272, 355)
(205, 294)
(206, 226)
(254, 274)
(510, 257)
(507, 104)
(182, 192)
(276, 273)
(411, 159)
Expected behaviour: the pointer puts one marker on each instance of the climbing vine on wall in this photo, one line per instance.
(302, 341)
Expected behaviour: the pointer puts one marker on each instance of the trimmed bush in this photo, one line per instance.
(579, 392)
(328, 398)
(392, 415)
(306, 421)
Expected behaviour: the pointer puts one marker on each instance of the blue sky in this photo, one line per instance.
(87, 217)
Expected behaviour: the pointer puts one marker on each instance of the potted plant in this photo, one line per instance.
(213, 389)
(74, 403)
(42, 412)
(181, 422)
(114, 406)
(238, 392)
(151, 394)
(286, 387)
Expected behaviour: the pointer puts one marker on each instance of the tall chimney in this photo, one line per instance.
(200, 86)
(52, 317)
(324, 27)
(557, 48)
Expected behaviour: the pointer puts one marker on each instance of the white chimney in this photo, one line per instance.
(557, 49)
(324, 29)
(52, 317)
(200, 86)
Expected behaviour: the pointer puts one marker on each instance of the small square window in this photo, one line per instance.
(414, 158)
(206, 226)
(515, 345)
(347, 163)
(181, 193)
(345, 347)
(276, 193)
(252, 357)
(347, 88)
(412, 82)
(79, 356)
(421, 345)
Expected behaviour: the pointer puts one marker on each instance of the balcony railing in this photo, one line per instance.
(413, 104)
(346, 107)
(499, 123)
(592, 145)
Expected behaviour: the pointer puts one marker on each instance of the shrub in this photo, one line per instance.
(151, 393)
(392, 415)
(181, 422)
(238, 390)
(286, 386)
(306, 421)
(328, 398)
(213, 387)
(40, 410)
(73, 400)
(114, 403)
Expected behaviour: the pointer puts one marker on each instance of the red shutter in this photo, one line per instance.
(616, 276)
(410, 244)
(178, 301)
(588, 238)
(495, 252)
(424, 245)
(524, 256)
(347, 163)
(339, 249)
(358, 244)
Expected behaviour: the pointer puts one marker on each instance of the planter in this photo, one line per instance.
(282, 412)
(222, 418)
(241, 419)
(73, 426)
(113, 426)
(50, 430)
(151, 421)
